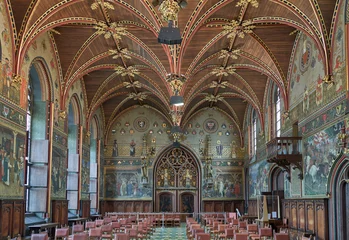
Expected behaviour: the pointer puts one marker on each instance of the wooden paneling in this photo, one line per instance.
(85, 208)
(11, 218)
(223, 206)
(252, 208)
(60, 211)
(307, 216)
(125, 206)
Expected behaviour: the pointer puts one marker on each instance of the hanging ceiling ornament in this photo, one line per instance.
(94, 6)
(137, 96)
(176, 82)
(223, 71)
(122, 53)
(242, 3)
(215, 84)
(233, 54)
(130, 71)
(135, 84)
(110, 29)
(213, 98)
(169, 10)
(235, 28)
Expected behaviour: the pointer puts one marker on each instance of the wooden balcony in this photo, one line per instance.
(286, 152)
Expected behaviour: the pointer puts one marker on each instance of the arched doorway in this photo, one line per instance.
(177, 185)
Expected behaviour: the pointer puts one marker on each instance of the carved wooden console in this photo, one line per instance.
(60, 211)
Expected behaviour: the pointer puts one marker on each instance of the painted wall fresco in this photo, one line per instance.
(338, 51)
(85, 173)
(124, 185)
(258, 178)
(12, 144)
(320, 151)
(306, 74)
(129, 130)
(225, 141)
(228, 184)
(59, 172)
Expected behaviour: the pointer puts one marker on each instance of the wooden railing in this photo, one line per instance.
(285, 151)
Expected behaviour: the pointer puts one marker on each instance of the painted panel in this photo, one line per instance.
(228, 184)
(59, 173)
(12, 145)
(258, 178)
(320, 151)
(125, 185)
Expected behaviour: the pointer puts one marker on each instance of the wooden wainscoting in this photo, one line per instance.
(85, 206)
(11, 218)
(60, 211)
(125, 206)
(223, 206)
(252, 208)
(307, 216)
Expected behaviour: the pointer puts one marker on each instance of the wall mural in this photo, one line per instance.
(320, 151)
(228, 184)
(258, 178)
(85, 173)
(125, 185)
(59, 172)
(12, 144)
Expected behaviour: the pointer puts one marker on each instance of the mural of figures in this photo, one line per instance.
(85, 174)
(258, 181)
(11, 162)
(219, 149)
(233, 149)
(132, 148)
(59, 172)
(225, 185)
(125, 184)
(115, 149)
(320, 150)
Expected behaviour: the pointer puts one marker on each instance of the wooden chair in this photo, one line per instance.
(266, 232)
(99, 222)
(252, 228)
(89, 225)
(242, 225)
(61, 233)
(116, 226)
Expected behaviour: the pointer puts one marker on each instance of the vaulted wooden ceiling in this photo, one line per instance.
(263, 56)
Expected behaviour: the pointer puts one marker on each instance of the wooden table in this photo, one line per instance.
(74, 221)
(39, 227)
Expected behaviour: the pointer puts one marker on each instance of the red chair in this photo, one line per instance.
(99, 222)
(80, 236)
(89, 225)
(265, 232)
(61, 233)
(39, 236)
(121, 236)
(241, 236)
(281, 236)
(95, 233)
(252, 228)
(229, 233)
(116, 226)
(242, 225)
(202, 236)
(107, 231)
(78, 228)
